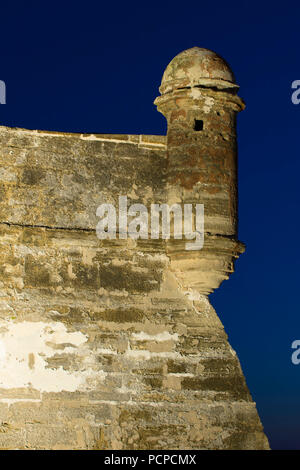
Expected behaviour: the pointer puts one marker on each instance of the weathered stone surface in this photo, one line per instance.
(113, 344)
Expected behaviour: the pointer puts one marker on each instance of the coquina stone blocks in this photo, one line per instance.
(113, 344)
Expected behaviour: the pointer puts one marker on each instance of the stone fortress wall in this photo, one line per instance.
(113, 344)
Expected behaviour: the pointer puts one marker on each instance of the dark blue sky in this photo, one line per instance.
(96, 67)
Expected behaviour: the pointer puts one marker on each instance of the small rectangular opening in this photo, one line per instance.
(198, 125)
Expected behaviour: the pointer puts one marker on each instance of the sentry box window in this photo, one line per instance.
(198, 125)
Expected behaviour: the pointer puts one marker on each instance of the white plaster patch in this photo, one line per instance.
(2, 353)
(209, 102)
(147, 355)
(25, 348)
(182, 374)
(12, 401)
(106, 351)
(196, 93)
(193, 295)
(165, 336)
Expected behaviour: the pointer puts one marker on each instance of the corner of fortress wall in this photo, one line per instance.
(113, 344)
